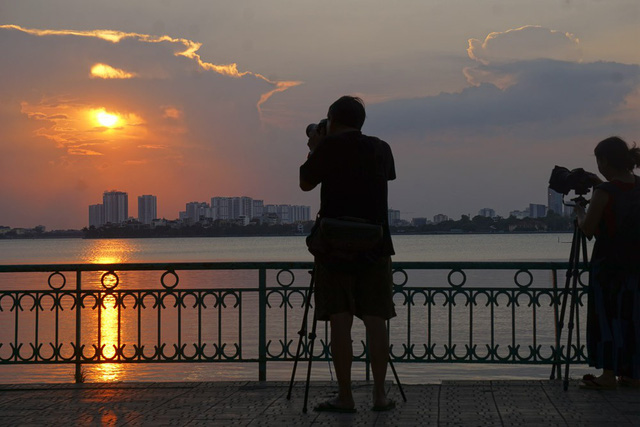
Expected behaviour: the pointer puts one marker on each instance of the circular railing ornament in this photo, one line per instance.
(404, 274)
(173, 273)
(517, 282)
(112, 283)
(51, 285)
(464, 278)
(580, 281)
(285, 270)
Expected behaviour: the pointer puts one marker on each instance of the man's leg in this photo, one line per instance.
(379, 354)
(342, 353)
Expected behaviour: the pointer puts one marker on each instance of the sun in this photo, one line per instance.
(107, 120)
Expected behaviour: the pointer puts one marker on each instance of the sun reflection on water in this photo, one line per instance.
(109, 252)
(109, 339)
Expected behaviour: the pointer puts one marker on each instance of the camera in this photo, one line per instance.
(563, 180)
(320, 128)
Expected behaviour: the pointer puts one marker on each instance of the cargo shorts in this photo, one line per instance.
(365, 292)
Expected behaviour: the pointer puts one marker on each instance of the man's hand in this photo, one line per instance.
(314, 140)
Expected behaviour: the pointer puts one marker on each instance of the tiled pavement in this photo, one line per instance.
(452, 403)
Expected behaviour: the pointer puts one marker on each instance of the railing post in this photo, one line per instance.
(262, 326)
(78, 376)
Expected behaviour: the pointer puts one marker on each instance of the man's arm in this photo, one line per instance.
(311, 170)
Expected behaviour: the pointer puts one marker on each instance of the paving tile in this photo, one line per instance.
(453, 403)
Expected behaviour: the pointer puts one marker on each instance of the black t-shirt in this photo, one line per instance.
(618, 236)
(353, 170)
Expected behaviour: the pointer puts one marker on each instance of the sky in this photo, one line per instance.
(192, 99)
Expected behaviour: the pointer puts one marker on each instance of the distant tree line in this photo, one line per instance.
(19, 233)
(481, 224)
(478, 224)
(217, 229)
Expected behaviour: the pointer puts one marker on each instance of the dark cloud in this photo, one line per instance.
(487, 146)
(544, 92)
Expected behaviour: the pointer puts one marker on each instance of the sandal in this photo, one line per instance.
(383, 408)
(589, 383)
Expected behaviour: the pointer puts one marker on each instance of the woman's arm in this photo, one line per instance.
(588, 221)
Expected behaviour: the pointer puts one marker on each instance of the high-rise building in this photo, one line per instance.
(300, 213)
(258, 208)
(246, 207)
(221, 207)
(116, 206)
(195, 210)
(96, 215)
(147, 208)
(393, 216)
(284, 213)
(440, 218)
(487, 212)
(537, 211)
(520, 214)
(554, 202)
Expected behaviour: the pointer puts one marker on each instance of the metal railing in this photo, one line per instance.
(448, 312)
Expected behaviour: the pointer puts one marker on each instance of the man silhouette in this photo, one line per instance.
(353, 170)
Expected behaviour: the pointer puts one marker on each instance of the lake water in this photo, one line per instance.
(462, 247)
(450, 247)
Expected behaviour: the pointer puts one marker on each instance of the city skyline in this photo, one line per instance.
(532, 211)
(115, 210)
(478, 100)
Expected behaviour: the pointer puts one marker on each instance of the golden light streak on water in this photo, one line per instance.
(109, 251)
(109, 339)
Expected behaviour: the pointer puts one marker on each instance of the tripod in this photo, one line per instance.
(578, 249)
(312, 337)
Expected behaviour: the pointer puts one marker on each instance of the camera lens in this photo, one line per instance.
(310, 129)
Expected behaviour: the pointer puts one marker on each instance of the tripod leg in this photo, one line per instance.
(302, 332)
(393, 368)
(312, 337)
(570, 331)
(395, 375)
(573, 260)
(573, 315)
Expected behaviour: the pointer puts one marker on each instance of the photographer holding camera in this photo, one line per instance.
(613, 313)
(353, 170)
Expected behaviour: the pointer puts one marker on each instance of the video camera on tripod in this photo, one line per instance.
(564, 181)
(578, 180)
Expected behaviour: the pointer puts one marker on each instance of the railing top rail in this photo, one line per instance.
(408, 265)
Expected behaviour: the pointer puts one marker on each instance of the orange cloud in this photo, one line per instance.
(153, 147)
(172, 113)
(105, 71)
(280, 87)
(189, 50)
(83, 152)
(525, 43)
